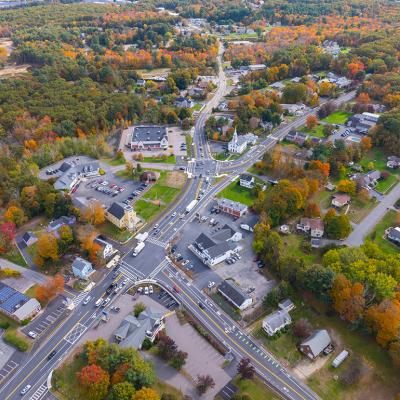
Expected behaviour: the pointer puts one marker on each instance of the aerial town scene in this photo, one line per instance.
(199, 200)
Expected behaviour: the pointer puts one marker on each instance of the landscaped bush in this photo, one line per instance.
(10, 337)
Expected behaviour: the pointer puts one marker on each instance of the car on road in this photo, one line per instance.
(201, 305)
(173, 215)
(52, 354)
(32, 334)
(116, 309)
(125, 281)
(156, 226)
(186, 262)
(86, 301)
(146, 290)
(25, 390)
(106, 301)
(151, 290)
(211, 284)
(99, 302)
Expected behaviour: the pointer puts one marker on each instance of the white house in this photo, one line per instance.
(82, 268)
(106, 248)
(238, 144)
(235, 295)
(340, 200)
(314, 226)
(246, 181)
(276, 321)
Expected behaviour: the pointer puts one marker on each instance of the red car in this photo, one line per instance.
(177, 289)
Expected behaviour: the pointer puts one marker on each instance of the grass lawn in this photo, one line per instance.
(189, 141)
(379, 159)
(377, 234)
(359, 210)
(292, 244)
(115, 161)
(238, 193)
(110, 230)
(338, 117)
(168, 160)
(227, 307)
(318, 131)
(147, 210)
(124, 174)
(384, 186)
(163, 388)
(197, 107)
(15, 256)
(323, 198)
(255, 388)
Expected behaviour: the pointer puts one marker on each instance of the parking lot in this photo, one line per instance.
(244, 271)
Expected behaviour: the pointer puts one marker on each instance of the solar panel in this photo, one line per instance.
(15, 301)
(5, 293)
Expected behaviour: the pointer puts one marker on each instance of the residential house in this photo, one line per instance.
(141, 83)
(362, 123)
(276, 321)
(184, 102)
(56, 224)
(277, 86)
(296, 79)
(82, 268)
(238, 144)
(330, 186)
(231, 207)
(29, 238)
(122, 215)
(296, 137)
(133, 331)
(217, 248)
(73, 171)
(340, 200)
(315, 344)
(286, 305)
(367, 180)
(393, 234)
(257, 67)
(246, 181)
(106, 248)
(17, 305)
(393, 162)
(235, 295)
(294, 109)
(331, 47)
(149, 137)
(313, 226)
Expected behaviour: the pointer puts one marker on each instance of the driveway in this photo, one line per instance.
(361, 230)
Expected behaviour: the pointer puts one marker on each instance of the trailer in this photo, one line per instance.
(138, 249)
(340, 358)
(246, 227)
(141, 237)
(191, 205)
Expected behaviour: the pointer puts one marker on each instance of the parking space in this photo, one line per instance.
(177, 141)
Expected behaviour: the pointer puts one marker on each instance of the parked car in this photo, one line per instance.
(25, 389)
(32, 334)
(151, 290)
(211, 284)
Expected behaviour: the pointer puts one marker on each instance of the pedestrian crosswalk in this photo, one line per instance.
(40, 392)
(157, 242)
(78, 299)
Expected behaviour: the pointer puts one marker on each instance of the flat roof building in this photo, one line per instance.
(151, 137)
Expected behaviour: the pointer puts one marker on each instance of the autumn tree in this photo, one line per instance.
(146, 394)
(348, 298)
(347, 186)
(7, 236)
(204, 382)
(86, 236)
(394, 352)
(50, 289)
(122, 391)
(312, 210)
(94, 213)
(311, 122)
(66, 238)
(16, 215)
(246, 369)
(46, 249)
(95, 381)
(336, 226)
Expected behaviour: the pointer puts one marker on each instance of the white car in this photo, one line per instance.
(173, 215)
(156, 226)
(140, 289)
(106, 301)
(211, 284)
(25, 389)
(146, 290)
(86, 301)
(32, 334)
(151, 290)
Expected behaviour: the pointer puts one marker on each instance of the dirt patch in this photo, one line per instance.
(175, 179)
(14, 70)
(7, 43)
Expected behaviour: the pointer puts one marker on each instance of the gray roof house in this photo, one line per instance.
(132, 331)
(56, 224)
(29, 238)
(235, 295)
(315, 344)
(151, 137)
(276, 321)
(393, 234)
(82, 268)
(72, 171)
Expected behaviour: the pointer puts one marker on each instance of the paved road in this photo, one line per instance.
(34, 276)
(361, 230)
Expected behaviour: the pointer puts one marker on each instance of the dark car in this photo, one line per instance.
(201, 305)
(52, 354)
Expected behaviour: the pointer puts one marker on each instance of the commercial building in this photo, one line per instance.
(133, 331)
(73, 171)
(231, 207)
(122, 216)
(150, 137)
(235, 295)
(315, 344)
(238, 144)
(17, 305)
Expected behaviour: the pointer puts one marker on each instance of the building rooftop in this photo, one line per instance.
(118, 209)
(233, 292)
(318, 341)
(235, 205)
(80, 264)
(151, 133)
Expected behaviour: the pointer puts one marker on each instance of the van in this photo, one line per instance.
(99, 302)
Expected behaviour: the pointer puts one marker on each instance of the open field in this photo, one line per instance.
(238, 193)
(168, 160)
(377, 235)
(337, 117)
(318, 131)
(110, 230)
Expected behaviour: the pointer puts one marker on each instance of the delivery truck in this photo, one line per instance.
(141, 237)
(190, 206)
(138, 249)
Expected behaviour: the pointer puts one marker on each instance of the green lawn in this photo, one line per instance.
(168, 160)
(227, 307)
(359, 210)
(197, 107)
(115, 161)
(15, 256)
(189, 141)
(323, 198)
(147, 210)
(318, 131)
(384, 186)
(377, 235)
(238, 193)
(110, 230)
(255, 388)
(124, 174)
(292, 244)
(379, 159)
(338, 117)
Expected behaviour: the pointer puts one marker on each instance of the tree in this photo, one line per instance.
(336, 226)
(7, 236)
(166, 346)
(246, 369)
(122, 391)
(394, 352)
(294, 93)
(204, 382)
(139, 307)
(312, 210)
(95, 381)
(179, 360)
(94, 213)
(47, 247)
(50, 289)
(347, 186)
(348, 298)
(15, 215)
(311, 122)
(66, 238)
(302, 328)
(146, 394)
